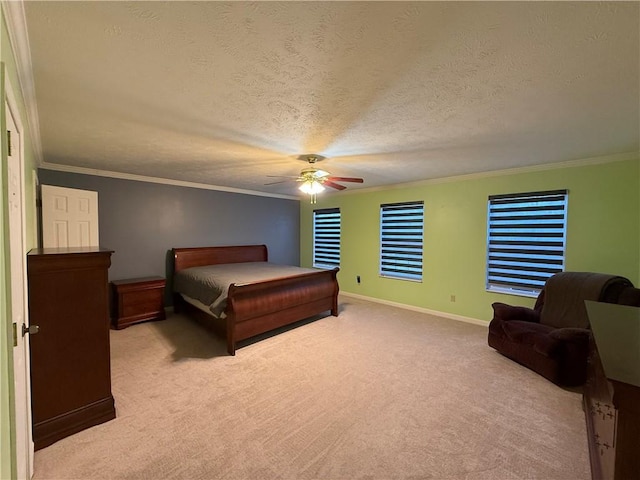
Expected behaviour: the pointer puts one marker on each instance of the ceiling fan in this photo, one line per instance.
(314, 180)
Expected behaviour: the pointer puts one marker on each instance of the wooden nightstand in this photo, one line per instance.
(137, 300)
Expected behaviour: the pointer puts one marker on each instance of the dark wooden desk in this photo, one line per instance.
(612, 392)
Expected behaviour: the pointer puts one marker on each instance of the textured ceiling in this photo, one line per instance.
(228, 93)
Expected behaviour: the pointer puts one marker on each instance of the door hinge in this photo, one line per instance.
(9, 142)
(15, 334)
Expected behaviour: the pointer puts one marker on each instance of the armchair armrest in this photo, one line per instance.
(502, 311)
(572, 334)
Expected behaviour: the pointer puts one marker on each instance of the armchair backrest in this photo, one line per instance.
(565, 293)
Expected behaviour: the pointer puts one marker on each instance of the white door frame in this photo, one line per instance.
(22, 382)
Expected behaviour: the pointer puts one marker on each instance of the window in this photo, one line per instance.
(526, 240)
(326, 238)
(401, 235)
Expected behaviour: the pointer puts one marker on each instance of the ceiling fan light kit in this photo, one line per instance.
(311, 187)
(314, 180)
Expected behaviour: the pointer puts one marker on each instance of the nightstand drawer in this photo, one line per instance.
(137, 300)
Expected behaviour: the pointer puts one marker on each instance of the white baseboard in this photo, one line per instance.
(451, 316)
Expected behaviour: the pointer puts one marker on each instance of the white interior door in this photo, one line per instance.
(19, 310)
(69, 217)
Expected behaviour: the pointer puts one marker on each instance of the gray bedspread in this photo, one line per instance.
(210, 284)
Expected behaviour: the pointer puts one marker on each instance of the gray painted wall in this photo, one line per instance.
(142, 221)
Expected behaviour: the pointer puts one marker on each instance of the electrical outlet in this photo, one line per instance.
(453, 298)
(358, 279)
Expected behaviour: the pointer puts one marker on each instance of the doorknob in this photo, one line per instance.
(32, 329)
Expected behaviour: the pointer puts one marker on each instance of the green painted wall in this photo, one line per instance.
(7, 423)
(603, 233)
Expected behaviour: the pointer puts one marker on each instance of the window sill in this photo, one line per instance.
(325, 267)
(514, 291)
(414, 280)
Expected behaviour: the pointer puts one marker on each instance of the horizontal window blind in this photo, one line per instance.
(326, 238)
(401, 240)
(526, 239)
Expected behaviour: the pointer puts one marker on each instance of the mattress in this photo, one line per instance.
(209, 284)
(200, 306)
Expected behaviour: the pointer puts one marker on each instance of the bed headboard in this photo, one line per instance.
(196, 257)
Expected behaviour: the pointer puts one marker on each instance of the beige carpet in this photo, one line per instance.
(376, 393)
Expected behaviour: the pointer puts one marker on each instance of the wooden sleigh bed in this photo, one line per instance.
(256, 307)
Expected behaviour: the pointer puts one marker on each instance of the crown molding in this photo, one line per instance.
(496, 173)
(618, 157)
(163, 181)
(14, 15)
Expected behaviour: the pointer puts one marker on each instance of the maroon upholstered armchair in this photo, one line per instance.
(552, 338)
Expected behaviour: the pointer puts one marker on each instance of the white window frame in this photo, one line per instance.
(526, 240)
(402, 240)
(327, 226)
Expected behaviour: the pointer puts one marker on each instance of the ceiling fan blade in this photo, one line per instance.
(329, 183)
(280, 181)
(283, 176)
(346, 179)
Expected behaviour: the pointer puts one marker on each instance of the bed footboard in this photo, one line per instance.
(255, 308)
(258, 307)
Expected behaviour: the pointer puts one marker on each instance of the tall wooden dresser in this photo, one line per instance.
(70, 358)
